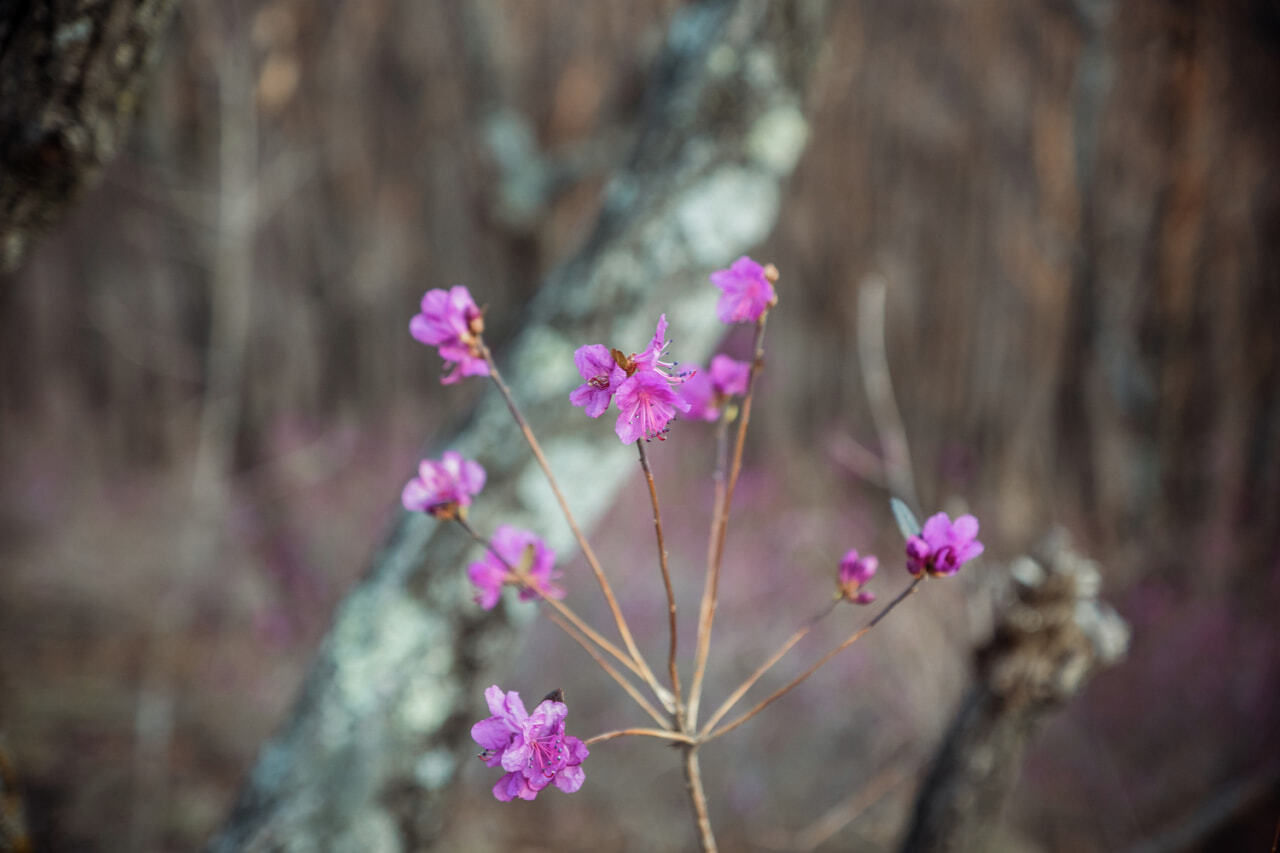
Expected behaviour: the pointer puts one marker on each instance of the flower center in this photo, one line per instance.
(547, 754)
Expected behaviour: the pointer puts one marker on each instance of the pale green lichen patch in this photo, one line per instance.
(552, 355)
(731, 208)
(589, 471)
(777, 138)
(435, 769)
(377, 644)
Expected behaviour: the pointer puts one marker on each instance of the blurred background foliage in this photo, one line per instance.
(210, 401)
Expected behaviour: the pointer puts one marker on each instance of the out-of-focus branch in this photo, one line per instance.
(70, 77)
(1053, 635)
(382, 723)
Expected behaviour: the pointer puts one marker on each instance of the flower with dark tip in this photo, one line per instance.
(943, 545)
(532, 748)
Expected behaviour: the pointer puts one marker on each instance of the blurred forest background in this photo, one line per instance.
(209, 402)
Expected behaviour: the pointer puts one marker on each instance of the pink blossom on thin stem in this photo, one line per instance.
(532, 748)
(747, 291)
(451, 321)
(646, 404)
(443, 488)
(854, 574)
(943, 546)
(522, 559)
(641, 383)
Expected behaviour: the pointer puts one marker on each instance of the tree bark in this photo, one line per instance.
(1050, 639)
(383, 719)
(70, 77)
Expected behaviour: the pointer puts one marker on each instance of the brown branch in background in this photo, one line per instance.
(664, 734)
(1050, 638)
(71, 75)
(630, 689)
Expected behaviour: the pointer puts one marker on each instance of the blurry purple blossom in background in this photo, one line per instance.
(747, 291)
(705, 391)
(443, 488)
(451, 321)
(532, 748)
(943, 546)
(512, 544)
(854, 573)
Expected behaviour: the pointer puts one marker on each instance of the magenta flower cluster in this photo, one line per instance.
(854, 573)
(943, 546)
(443, 488)
(641, 383)
(746, 291)
(707, 390)
(451, 321)
(532, 748)
(517, 557)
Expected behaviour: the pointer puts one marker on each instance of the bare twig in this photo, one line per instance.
(698, 799)
(664, 734)
(720, 526)
(737, 694)
(782, 691)
(609, 670)
(672, 668)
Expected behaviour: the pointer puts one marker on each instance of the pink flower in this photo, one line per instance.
(532, 748)
(602, 375)
(443, 488)
(451, 321)
(707, 391)
(641, 381)
(943, 546)
(854, 573)
(747, 291)
(522, 560)
(646, 405)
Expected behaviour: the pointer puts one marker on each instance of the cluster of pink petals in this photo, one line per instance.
(943, 546)
(532, 748)
(855, 572)
(746, 291)
(641, 384)
(443, 488)
(451, 321)
(707, 391)
(514, 547)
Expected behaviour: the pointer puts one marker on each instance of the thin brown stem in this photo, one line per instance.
(737, 694)
(782, 691)
(664, 734)
(589, 554)
(612, 673)
(562, 608)
(719, 527)
(672, 669)
(698, 799)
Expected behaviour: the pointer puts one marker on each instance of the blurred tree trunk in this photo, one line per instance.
(383, 720)
(70, 77)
